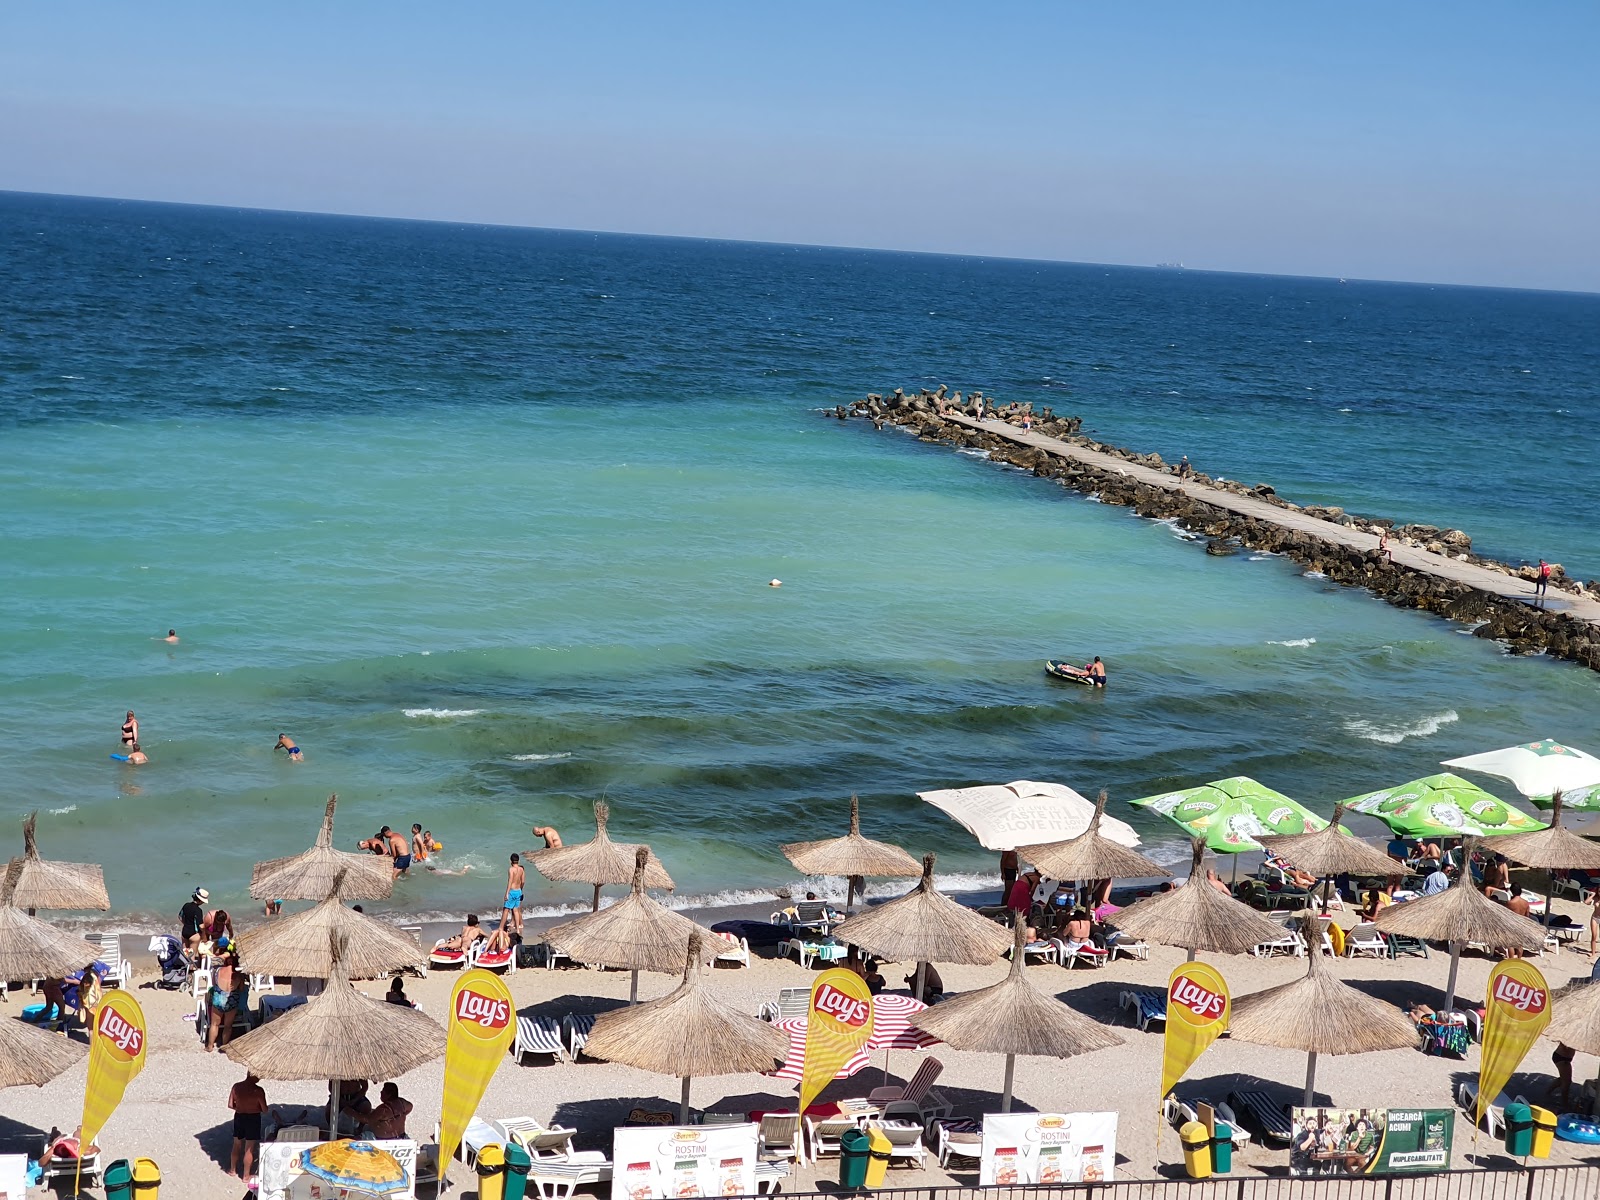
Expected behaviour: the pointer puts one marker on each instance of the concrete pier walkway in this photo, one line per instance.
(1439, 566)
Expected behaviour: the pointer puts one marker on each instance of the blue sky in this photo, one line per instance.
(1446, 142)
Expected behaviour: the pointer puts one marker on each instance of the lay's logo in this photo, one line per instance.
(1525, 998)
(846, 1009)
(487, 1013)
(1192, 997)
(122, 1038)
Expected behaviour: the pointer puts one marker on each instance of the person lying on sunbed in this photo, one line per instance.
(470, 932)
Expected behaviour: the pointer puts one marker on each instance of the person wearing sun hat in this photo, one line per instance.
(192, 916)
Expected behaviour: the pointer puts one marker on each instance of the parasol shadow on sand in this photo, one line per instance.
(1196, 916)
(1458, 915)
(338, 1035)
(854, 857)
(925, 926)
(1091, 855)
(309, 875)
(634, 934)
(1014, 1017)
(301, 945)
(599, 862)
(39, 883)
(688, 1033)
(32, 1056)
(1319, 1014)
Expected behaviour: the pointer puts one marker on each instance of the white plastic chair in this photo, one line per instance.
(1365, 939)
(118, 971)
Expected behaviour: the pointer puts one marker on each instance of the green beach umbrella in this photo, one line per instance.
(1442, 805)
(1536, 769)
(1229, 813)
(1584, 799)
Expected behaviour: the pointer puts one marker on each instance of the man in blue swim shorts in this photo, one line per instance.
(515, 878)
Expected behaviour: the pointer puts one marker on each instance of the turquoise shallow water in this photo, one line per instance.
(486, 577)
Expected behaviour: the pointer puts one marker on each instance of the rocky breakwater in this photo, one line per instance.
(935, 415)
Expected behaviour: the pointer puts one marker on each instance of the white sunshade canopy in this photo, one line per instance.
(1535, 768)
(1024, 813)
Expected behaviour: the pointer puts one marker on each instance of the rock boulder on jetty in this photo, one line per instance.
(1524, 629)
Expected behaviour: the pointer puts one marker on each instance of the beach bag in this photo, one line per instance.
(530, 956)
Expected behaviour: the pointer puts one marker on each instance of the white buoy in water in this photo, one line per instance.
(775, 583)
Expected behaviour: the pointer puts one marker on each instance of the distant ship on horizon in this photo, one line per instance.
(1177, 266)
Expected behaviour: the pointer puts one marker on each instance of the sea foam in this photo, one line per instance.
(1394, 733)
(442, 713)
(1297, 642)
(539, 757)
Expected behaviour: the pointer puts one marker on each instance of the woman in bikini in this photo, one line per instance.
(130, 732)
(228, 996)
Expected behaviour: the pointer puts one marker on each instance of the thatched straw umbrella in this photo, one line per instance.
(634, 934)
(1196, 916)
(688, 1033)
(926, 926)
(309, 875)
(1552, 849)
(599, 862)
(1459, 915)
(1091, 855)
(1329, 852)
(1014, 1017)
(301, 945)
(1320, 1015)
(853, 856)
(29, 1055)
(1575, 1020)
(340, 1034)
(40, 883)
(32, 949)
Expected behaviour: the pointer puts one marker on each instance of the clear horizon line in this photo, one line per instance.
(690, 237)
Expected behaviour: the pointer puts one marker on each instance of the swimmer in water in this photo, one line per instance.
(285, 742)
(136, 757)
(172, 635)
(552, 839)
(421, 843)
(398, 850)
(130, 730)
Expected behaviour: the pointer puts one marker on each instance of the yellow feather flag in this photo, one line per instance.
(838, 1024)
(1197, 1013)
(478, 1034)
(116, 1055)
(1515, 1014)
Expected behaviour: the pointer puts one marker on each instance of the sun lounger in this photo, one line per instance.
(299, 1133)
(1085, 952)
(823, 1134)
(1270, 1117)
(958, 1139)
(1494, 1117)
(1399, 945)
(578, 1027)
(736, 950)
(1121, 945)
(914, 1088)
(558, 1180)
(118, 971)
(478, 1134)
(1146, 1007)
(1365, 939)
(791, 1002)
(778, 1137)
(442, 958)
(768, 1175)
(538, 1035)
(504, 961)
(1290, 943)
(1048, 950)
(1180, 1112)
(905, 1140)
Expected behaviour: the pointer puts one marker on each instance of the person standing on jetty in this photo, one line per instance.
(1541, 585)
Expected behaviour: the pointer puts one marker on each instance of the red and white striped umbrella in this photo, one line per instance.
(891, 1030)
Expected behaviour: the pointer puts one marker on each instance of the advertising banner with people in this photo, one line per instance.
(837, 1025)
(1369, 1141)
(1197, 1015)
(675, 1162)
(1020, 1148)
(1515, 1012)
(479, 1032)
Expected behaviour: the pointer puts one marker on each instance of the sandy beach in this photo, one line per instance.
(176, 1110)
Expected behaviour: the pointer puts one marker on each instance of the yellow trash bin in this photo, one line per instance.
(492, 1172)
(878, 1147)
(1544, 1131)
(1196, 1149)
(146, 1179)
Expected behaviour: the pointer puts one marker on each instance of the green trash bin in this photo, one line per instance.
(517, 1164)
(1519, 1130)
(855, 1149)
(1221, 1148)
(118, 1180)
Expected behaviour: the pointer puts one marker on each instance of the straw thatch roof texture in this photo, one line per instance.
(340, 1034)
(1092, 856)
(1554, 848)
(636, 933)
(32, 949)
(1462, 914)
(301, 945)
(39, 883)
(1331, 851)
(1575, 1016)
(310, 874)
(1014, 1017)
(688, 1033)
(925, 926)
(852, 854)
(1319, 1014)
(29, 1055)
(1196, 916)
(599, 862)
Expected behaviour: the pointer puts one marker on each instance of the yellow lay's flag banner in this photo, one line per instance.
(1514, 1015)
(839, 1022)
(116, 1055)
(483, 1020)
(1197, 1014)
